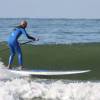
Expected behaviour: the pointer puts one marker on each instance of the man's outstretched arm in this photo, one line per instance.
(30, 37)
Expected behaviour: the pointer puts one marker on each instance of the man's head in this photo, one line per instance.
(23, 24)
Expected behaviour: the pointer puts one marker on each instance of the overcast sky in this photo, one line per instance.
(50, 8)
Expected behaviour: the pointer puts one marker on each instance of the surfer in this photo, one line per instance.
(14, 44)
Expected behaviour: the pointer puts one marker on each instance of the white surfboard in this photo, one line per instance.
(46, 72)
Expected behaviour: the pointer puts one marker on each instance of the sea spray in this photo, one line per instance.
(47, 89)
(2, 64)
(25, 89)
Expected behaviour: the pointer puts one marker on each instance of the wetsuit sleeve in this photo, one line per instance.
(28, 36)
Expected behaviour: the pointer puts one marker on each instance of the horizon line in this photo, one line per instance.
(43, 18)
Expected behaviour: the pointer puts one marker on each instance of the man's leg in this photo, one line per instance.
(12, 54)
(19, 52)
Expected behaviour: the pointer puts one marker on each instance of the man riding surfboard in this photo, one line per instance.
(14, 44)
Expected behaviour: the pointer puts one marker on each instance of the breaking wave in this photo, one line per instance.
(48, 89)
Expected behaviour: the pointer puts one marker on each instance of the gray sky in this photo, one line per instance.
(50, 8)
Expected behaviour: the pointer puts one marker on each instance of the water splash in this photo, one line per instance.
(5, 74)
(47, 89)
(22, 89)
(2, 64)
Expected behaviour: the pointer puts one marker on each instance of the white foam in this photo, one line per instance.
(22, 89)
(2, 64)
(5, 74)
(29, 89)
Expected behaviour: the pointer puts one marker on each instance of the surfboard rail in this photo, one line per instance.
(47, 72)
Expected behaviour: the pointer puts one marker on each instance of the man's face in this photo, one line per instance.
(24, 25)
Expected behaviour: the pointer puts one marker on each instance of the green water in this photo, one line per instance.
(61, 57)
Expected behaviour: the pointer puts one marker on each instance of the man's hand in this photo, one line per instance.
(35, 39)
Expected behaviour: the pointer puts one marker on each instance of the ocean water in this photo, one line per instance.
(28, 88)
(51, 31)
(55, 31)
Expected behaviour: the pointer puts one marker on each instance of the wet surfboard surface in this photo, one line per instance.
(47, 72)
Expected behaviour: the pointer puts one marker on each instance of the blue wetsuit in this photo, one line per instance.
(14, 45)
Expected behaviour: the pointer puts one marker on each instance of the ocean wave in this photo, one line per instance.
(23, 89)
(56, 31)
(27, 88)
